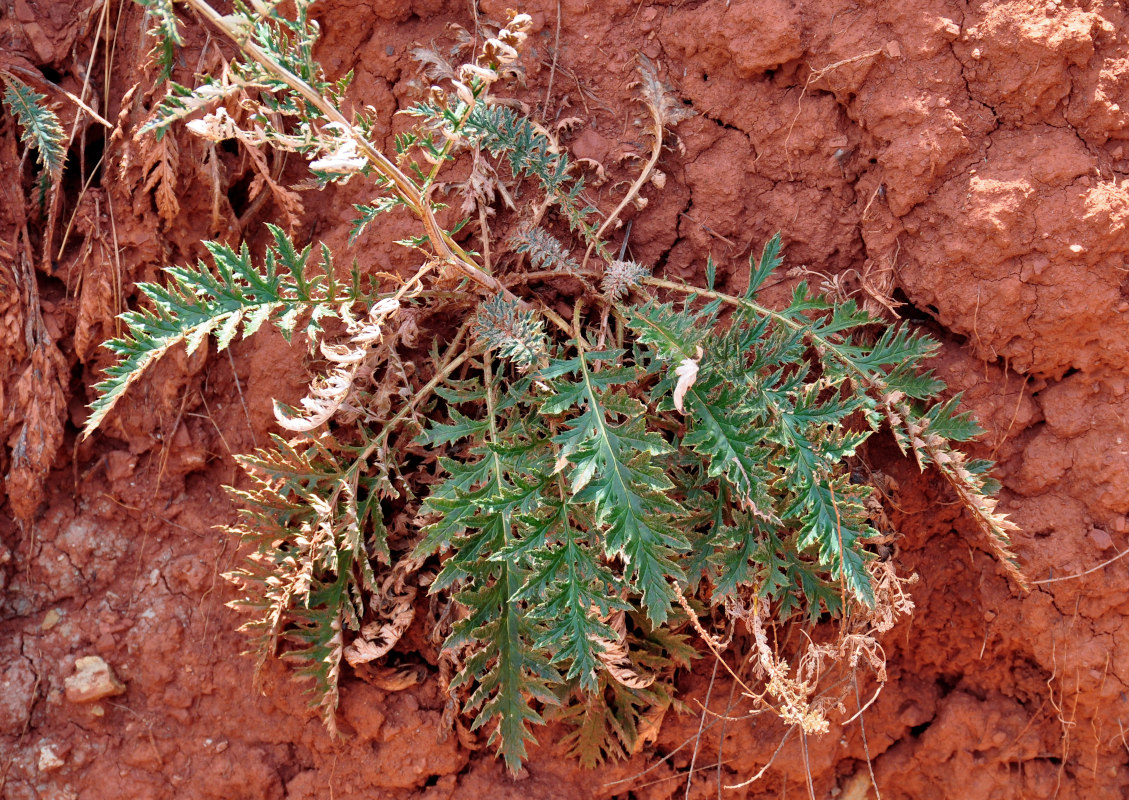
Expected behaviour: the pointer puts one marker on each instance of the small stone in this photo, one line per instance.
(1101, 539)
(96, 710)
(1121, 524)
(93, 680)
(17, 694)
(1076, 248)
(1123, 307)
(49, 761)
(120, 465)
(50, 619)
(893, 49)
(949, 29)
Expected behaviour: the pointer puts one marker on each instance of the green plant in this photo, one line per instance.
(39, 125)
(665, 461)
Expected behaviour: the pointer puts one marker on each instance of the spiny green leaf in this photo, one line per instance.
(515, 332)
(39, 126)
(198, 301)
(613, 470)
(758, 272)
(166, 29)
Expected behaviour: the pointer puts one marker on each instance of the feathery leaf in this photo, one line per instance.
(39, 126)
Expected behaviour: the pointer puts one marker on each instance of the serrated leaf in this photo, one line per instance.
(39, 126)
(198, 301)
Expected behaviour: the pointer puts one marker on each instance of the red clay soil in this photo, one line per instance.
(973, 156)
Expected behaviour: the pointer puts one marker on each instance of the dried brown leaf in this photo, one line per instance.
(41, 402)
(97, 304)
(466, 737)
(289, 201)
(433, 65)
(160, 162)
(650, 724)
(617, 660)
(389, 679)
(378, 638)
(659, 97)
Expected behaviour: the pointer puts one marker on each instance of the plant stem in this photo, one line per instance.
(445, 247)
(636, 187)
(871, 381)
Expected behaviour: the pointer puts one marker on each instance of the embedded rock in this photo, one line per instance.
(93, 680)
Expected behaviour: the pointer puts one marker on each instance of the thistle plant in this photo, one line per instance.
(586, 494)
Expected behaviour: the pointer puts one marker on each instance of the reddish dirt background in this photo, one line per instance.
(974, 151)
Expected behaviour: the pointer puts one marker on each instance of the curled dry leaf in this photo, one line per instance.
(396, 607)
(389, 679)
(687, 373)
(466, 736)
(328, 393)
(378, 638)
(616, 659)
(601, 173)
(568, 124)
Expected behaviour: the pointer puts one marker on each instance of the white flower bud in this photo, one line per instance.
(467, 72)
(464, 93)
